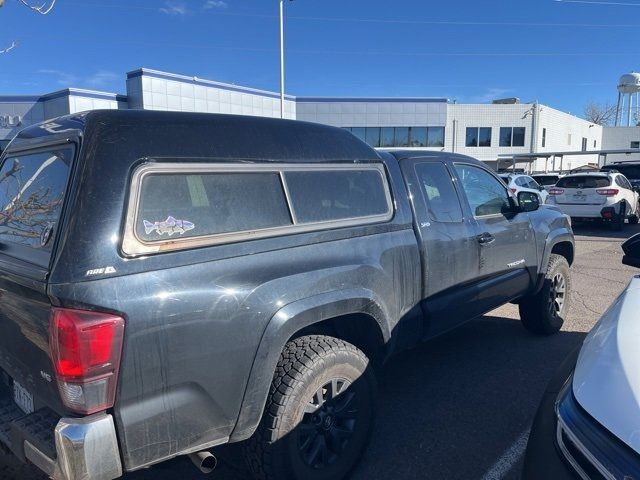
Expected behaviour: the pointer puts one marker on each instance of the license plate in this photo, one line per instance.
(580, 198)
(23, 398)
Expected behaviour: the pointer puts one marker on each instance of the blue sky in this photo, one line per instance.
(562, 53)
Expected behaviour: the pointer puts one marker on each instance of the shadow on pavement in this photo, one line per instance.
(447, 409)
(602, 230)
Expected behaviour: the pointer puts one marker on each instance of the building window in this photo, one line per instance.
(418, 136)
(484, 138)
(472, 137)
(635, 145)
(402, 136)
(435, 137)
(359, 132)
(372, 136)
(512, 136)
(595, 144)
(478, 137)
(389, 137)
(544, 137)
(569, 139)
(584, 144)
(518, 136)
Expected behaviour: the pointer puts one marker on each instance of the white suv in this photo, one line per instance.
(600, 195)
(524, 183)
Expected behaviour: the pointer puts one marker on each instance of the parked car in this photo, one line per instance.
(546, 180)
(170, 282)
(604, 196)
(588, 421)
(524, 183)
(631, 170)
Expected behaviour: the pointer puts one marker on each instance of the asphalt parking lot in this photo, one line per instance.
(460, 406)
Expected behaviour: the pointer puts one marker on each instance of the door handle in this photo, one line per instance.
(486, 238)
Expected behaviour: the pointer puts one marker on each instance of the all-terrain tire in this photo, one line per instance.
(617, 223)
(321, 383)
(633, 219)
(544, 313)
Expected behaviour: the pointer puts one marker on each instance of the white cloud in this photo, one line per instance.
(99, 79)
(210, 4)
(172, 7)
(102, 78)
(64, 79)
(491, 94)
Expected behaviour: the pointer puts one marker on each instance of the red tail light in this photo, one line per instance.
(85, 349)
(556, 191)
(607, 192)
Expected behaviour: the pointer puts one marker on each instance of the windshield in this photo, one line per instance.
(584, 181)
(546, 180)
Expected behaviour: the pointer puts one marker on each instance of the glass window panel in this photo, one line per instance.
(505, 136)
(372, 136)
(583, 181)
(472, 137)
(387, 137)
(442, 202)
(32, 189)
(418, 136)
(518, 136)
(180, 206)
(435, 137)
(336, 195)
(359, 132)
(484, 137)
(486, 194)
(402, 137)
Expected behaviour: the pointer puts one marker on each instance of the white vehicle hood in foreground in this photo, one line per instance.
(606, 381)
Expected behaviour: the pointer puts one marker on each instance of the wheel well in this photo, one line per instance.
(359, 329)
(565, 249)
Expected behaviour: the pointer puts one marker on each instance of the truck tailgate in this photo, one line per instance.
(24, 345)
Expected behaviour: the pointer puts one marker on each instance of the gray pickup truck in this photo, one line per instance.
(171, 282)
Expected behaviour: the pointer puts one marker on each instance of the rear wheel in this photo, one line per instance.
(319, 413)
(544, 312)
(633, 219)
(618, 222)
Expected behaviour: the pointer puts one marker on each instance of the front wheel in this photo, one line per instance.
(319, 413)
(544, 313)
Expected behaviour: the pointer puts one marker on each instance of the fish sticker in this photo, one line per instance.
(169, 226)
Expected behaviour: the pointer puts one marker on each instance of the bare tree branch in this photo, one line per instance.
(600, 113)
(9, 48)
(42, 9)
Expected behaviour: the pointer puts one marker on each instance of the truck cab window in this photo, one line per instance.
(440, 195)
(486, 194)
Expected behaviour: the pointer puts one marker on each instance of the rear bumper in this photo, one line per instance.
(603, 211)
(63, 448)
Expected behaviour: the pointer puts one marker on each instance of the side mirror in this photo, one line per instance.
(528, 201)
(631, 249)
(540, 187)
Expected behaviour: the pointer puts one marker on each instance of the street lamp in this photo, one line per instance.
(282, 58)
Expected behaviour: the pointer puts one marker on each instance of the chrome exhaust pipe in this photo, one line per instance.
(205, 461)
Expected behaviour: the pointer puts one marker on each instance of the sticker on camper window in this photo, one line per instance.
(169, 226)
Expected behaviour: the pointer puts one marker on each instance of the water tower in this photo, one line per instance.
(628, 89)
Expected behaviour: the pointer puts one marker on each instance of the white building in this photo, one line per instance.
(486, 131)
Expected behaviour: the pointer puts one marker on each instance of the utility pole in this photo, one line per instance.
(281, 58)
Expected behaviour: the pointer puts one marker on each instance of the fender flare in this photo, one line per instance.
(283, 325)
(555, 236)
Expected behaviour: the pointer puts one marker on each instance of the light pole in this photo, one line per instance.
(281, 58)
